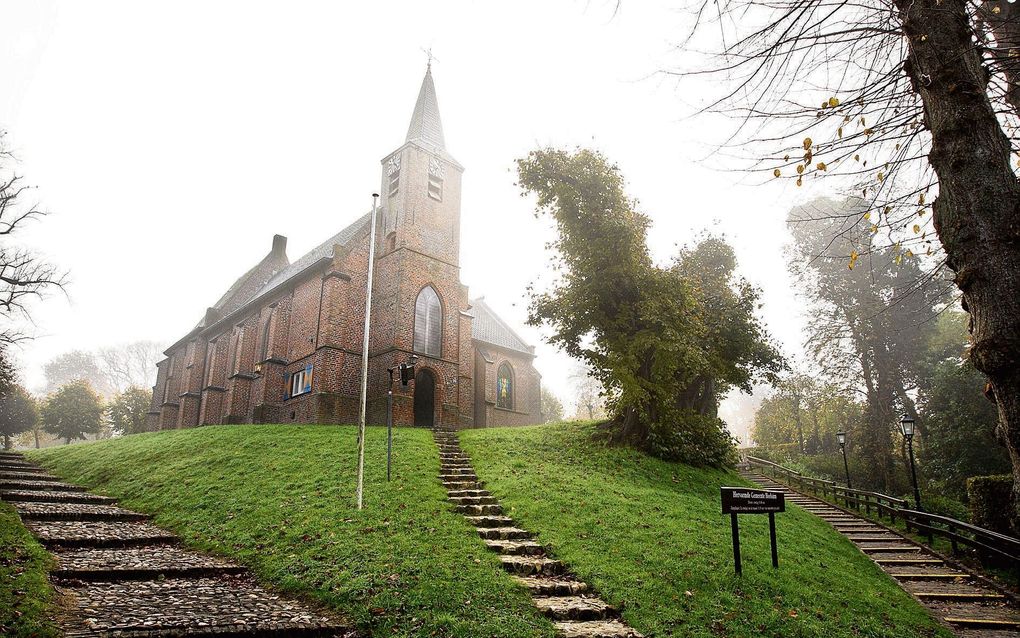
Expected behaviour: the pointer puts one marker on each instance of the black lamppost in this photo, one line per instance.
(841, 437)
(907, 427)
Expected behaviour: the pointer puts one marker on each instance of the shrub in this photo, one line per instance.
(991, 502)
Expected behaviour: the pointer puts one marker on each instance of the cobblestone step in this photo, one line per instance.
(145, 563)
(574, 607)
(6, 475)
(595, 629)
(490, 521)
(479, 510)
(453, 493)
(54, 496)
(74, 512)
(552, 586)
(20, 484)
(225, 606)
(462, 485)
(515, 548)
(459, 470)
(56, 534)
(528, 566)
(473, 500)
(20, 466)
(461, 477)
(503, 533)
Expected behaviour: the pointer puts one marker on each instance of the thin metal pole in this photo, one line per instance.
(772, 539)
(846, 467)
(735, 530)
(364, 355)
(913, 474)
(389, 429)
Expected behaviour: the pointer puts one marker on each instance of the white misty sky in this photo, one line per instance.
(170, 142)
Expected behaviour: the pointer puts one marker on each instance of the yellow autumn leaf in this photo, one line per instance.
(920, 199)
(821, 166)
(880, 176)
(799, 181)
(839, 132)
(857, 158)
(853, 260)
(867, 215)
(917, 228)
(800, 168)
(833, 102)
(807, 143)
(786, 158)
(874, 228)
(909, 253)
(776, 172)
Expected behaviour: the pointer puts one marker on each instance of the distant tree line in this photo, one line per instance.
(71, 411)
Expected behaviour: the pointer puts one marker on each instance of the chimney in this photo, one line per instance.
(279, 245)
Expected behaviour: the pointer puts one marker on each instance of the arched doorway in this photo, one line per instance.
(424, 398)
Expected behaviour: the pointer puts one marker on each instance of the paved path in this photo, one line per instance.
(962, 601)
(574, 609)
(118, 575)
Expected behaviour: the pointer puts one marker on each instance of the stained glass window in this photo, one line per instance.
(505, 387)
(428, 323)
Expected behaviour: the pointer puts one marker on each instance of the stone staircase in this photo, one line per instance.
(118, 575)
(569, 603)
(962, 601)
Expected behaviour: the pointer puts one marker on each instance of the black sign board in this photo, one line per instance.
(744, 500)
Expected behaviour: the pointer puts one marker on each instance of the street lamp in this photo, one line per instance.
(907, 427)
(841, 438)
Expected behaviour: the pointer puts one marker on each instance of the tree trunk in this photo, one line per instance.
(977, 212)
(36, 433)
(7, 442)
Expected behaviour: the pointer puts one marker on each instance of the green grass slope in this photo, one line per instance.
(25, 594)
(649, 535)
(280, 499)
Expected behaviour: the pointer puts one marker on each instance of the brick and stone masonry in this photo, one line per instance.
(283, 344)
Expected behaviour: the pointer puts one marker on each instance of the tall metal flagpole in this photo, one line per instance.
(364, 356)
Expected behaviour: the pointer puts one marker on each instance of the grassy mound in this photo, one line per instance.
(280, 499)
(25, 594)
(649, 535)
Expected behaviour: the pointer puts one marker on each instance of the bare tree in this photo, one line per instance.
(130, 364)
(906, 100)
(588, 399)
(24, 277)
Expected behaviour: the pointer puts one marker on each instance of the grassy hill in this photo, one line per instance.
(647, 533)
(280, 499)
(25, 594)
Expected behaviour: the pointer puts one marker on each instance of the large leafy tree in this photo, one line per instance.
(656, 338)
(76, 365)
(552, 408)
(18, 413)
(73, 412)
(128, 409)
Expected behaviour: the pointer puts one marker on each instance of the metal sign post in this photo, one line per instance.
(744, 500)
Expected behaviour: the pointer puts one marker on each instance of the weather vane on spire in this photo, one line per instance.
(428, 52)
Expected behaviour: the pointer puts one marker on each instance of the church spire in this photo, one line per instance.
(425, 123)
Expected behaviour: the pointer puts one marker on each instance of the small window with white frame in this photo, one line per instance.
(300, 382)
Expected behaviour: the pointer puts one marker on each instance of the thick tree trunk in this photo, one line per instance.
(36, 433)
(7, 442)
(977, 212)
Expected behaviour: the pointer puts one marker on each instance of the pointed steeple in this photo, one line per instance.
(426, 127)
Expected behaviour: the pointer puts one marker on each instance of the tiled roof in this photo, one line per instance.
(487, 327)
(323, 250)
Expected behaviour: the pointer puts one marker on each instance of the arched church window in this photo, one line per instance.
(391, 242)
(428, 323)
(505, 387)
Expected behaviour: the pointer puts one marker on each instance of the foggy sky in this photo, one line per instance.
(171, 142)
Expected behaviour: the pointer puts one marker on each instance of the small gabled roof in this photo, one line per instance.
(487, 327)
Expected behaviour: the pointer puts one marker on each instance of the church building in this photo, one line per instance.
(284, 342)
